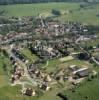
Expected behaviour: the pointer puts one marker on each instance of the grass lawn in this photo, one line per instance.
(76, 62)
(51, 95)
(51, 65)
(13, 93)
(83, 15)
(55, 64)
(29, 55)
(90, 43)
(5, 68)
(68, 58)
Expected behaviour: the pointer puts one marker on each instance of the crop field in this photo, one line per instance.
(69, 11)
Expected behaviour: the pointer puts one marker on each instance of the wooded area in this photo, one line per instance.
(6, 2)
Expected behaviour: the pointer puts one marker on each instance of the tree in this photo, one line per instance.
(5, 53)
(83, 56)
(6, 2)
(4, 67)
(56, 12)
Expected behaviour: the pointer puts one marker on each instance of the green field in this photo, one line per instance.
(88, 43)
(68, 58)
(55, 64)
(86, 89)
(28, 54)
(35, 9)
(73, 11)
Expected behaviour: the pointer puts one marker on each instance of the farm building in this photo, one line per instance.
(83, 72)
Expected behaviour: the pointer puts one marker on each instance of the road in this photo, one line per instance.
(95, 60)
(26, 74)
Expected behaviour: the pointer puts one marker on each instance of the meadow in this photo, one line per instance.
(86, 91)
(70, 11)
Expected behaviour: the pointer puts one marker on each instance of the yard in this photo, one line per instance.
(26, 52)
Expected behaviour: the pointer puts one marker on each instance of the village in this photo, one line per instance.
(49, 41)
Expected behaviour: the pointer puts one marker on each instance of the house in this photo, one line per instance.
(28, 92)
(19, 55)
(73, 68)
(14, 78)
(44, 86)
(83, 72)
(47, 78)
(20, 69)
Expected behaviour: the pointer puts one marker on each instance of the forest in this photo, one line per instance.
(6, 2)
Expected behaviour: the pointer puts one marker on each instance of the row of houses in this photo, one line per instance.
(45, 52)
(79, 72)
(17, 70)
(51, 49)
(41, 78)
(55, 28)
(19, 55)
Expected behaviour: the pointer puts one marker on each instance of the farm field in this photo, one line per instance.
(70, 11)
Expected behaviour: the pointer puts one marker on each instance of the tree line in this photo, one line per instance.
(6, 2)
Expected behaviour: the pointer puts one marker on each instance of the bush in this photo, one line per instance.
(56, 12)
